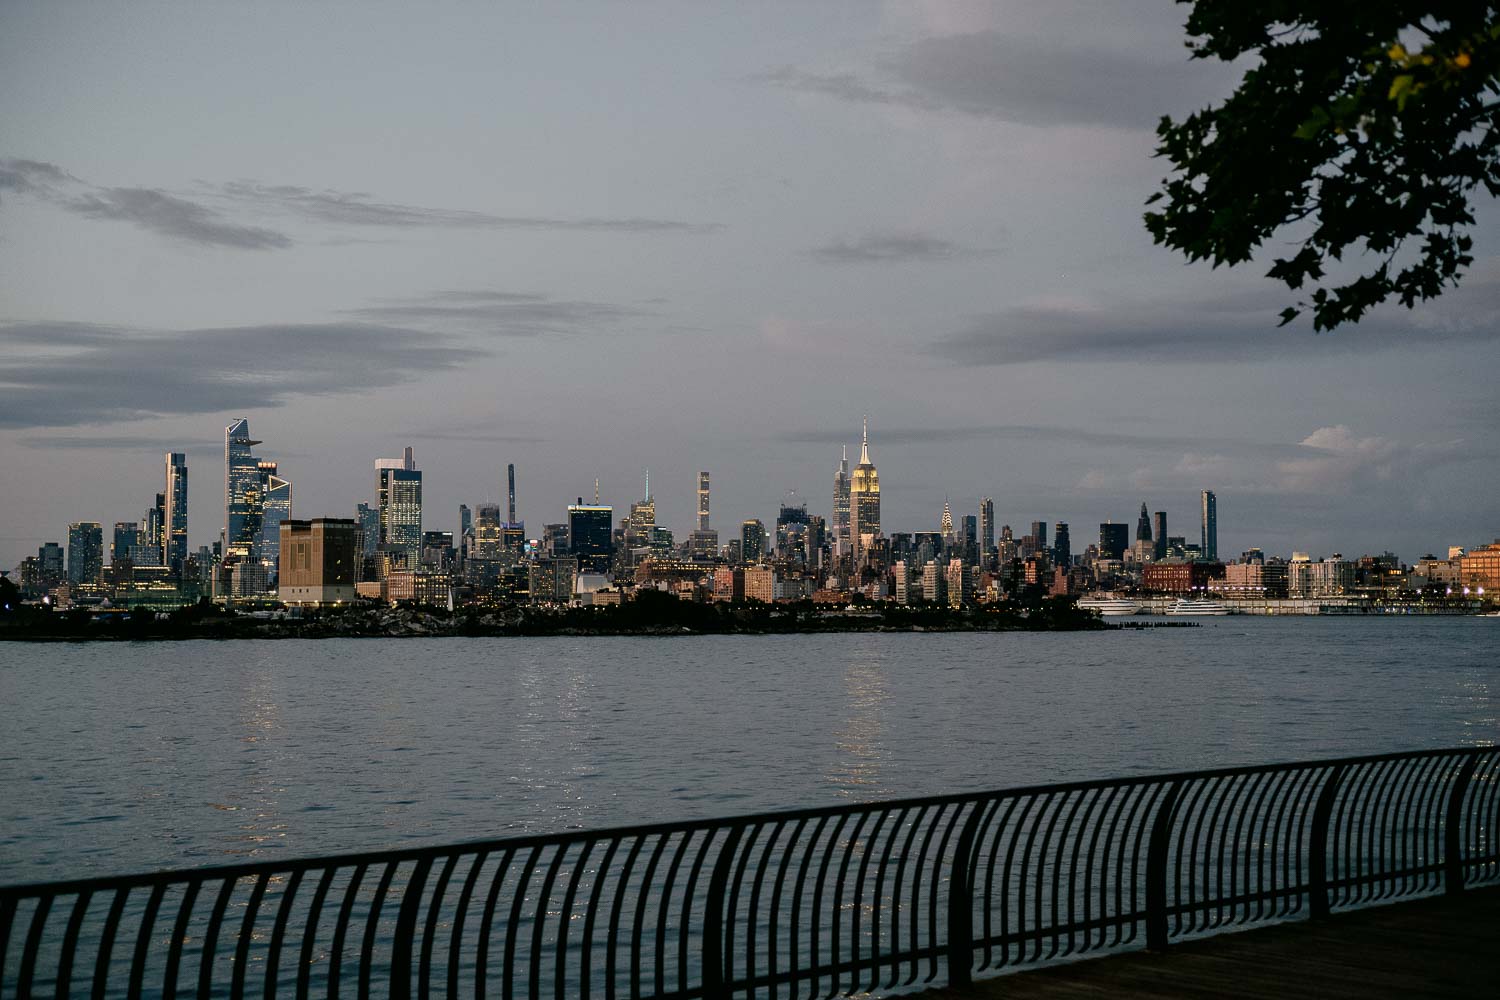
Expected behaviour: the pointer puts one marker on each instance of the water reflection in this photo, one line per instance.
(860, 741)
(257, 803)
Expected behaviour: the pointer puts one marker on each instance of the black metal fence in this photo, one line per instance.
(805, 903)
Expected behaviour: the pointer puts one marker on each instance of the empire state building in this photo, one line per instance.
(864, 499)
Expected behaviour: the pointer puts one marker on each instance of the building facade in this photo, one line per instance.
(318, 560)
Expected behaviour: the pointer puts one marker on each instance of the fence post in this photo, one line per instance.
(406, 931)
(1317, 862)
(714, 946)
(961, 904)
(1453, 851)
(1156, 870)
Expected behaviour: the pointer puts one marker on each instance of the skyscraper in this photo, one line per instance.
(752, 540)
(368, 520)
(275, 507)
(1143, 526)
(864, 498)
(986, 526)
(242, 486)
(1062, 547)
(841, 505)
(1160, 541)
(590, 534)
(945, 525)
(85, 552)
(174, 517)
(643, 511)
(510, 479)
(1039, 535)
(151, 546)
(703, 501)
(1114, 539)
(127, 537)
(1210, 545)
(398, 496)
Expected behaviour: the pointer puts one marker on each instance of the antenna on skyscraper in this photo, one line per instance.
(596, 491)
(648, 486)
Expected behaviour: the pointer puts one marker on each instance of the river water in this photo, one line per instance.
(126, 757)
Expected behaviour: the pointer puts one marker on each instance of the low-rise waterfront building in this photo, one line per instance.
(318, 560)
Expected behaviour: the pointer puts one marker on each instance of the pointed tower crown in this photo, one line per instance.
(864, 443)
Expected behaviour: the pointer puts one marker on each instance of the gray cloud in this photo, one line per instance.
(32, 176)
(358, 209)
(478, 437)
(506, 314)
(120, 442)
(1011, 78)
(168, 215)
(181, 218)
(201, 371)
(899, 436)
(1234, 328)
(149, 208)
(893, 248)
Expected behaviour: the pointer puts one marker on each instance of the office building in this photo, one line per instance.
(367, 519)
(1479, 570)
(1143, 527)
(590, 535)
(150, 544)
(1039, 536)
(945, 524)
(318, 560)
(1159, 535)
(276, 506)
(864, 499)
(841, 512)
(703, 502)
(986, 527)
(1062, 546)
(1114, 539)
(175, 513)
(510, 489)
(242, 492)
(752, 540)
(398, 497)
(552, 579)
(1210, 545)
(126, 537)
(85, 552)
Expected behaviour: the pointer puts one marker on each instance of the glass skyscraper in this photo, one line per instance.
(276, 506)
(85, 551)
(590, 532)
(1210, 542)
(242, 491)
(174, 518)
(398, 492)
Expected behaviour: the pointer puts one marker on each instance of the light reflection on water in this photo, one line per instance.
(120, 757)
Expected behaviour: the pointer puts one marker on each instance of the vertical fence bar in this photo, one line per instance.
(715, 987)
(1317, 861)
(1453, 851)
(961, 903)
(1156, 870)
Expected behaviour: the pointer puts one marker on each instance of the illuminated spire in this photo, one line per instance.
(864, 443)
(648, 485)
(596, 491)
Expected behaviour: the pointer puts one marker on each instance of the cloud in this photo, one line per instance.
(186, 219)
(358, 209)
(884, 248)
(505, 314)
(1009, 77)
(120, 442)
(178, 218)
(148, 208)
(1232, 328)
(115, 377)
(1112, 440)
(32, 176)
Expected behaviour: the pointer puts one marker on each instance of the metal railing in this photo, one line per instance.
(811, 902)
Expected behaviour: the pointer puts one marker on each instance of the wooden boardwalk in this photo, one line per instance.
(1436, 947)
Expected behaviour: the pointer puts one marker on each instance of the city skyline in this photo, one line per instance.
(399, 519)
(577, 263)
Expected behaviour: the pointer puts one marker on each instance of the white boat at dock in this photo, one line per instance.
(1110, 607)
(1188, 606)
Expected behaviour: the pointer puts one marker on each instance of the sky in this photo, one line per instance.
(596, 239)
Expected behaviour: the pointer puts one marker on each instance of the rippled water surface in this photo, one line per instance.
(117, 757)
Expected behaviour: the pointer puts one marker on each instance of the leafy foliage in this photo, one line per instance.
(1366, 126)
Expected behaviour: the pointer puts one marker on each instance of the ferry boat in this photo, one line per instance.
(1110, 607)
(1186, 606)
